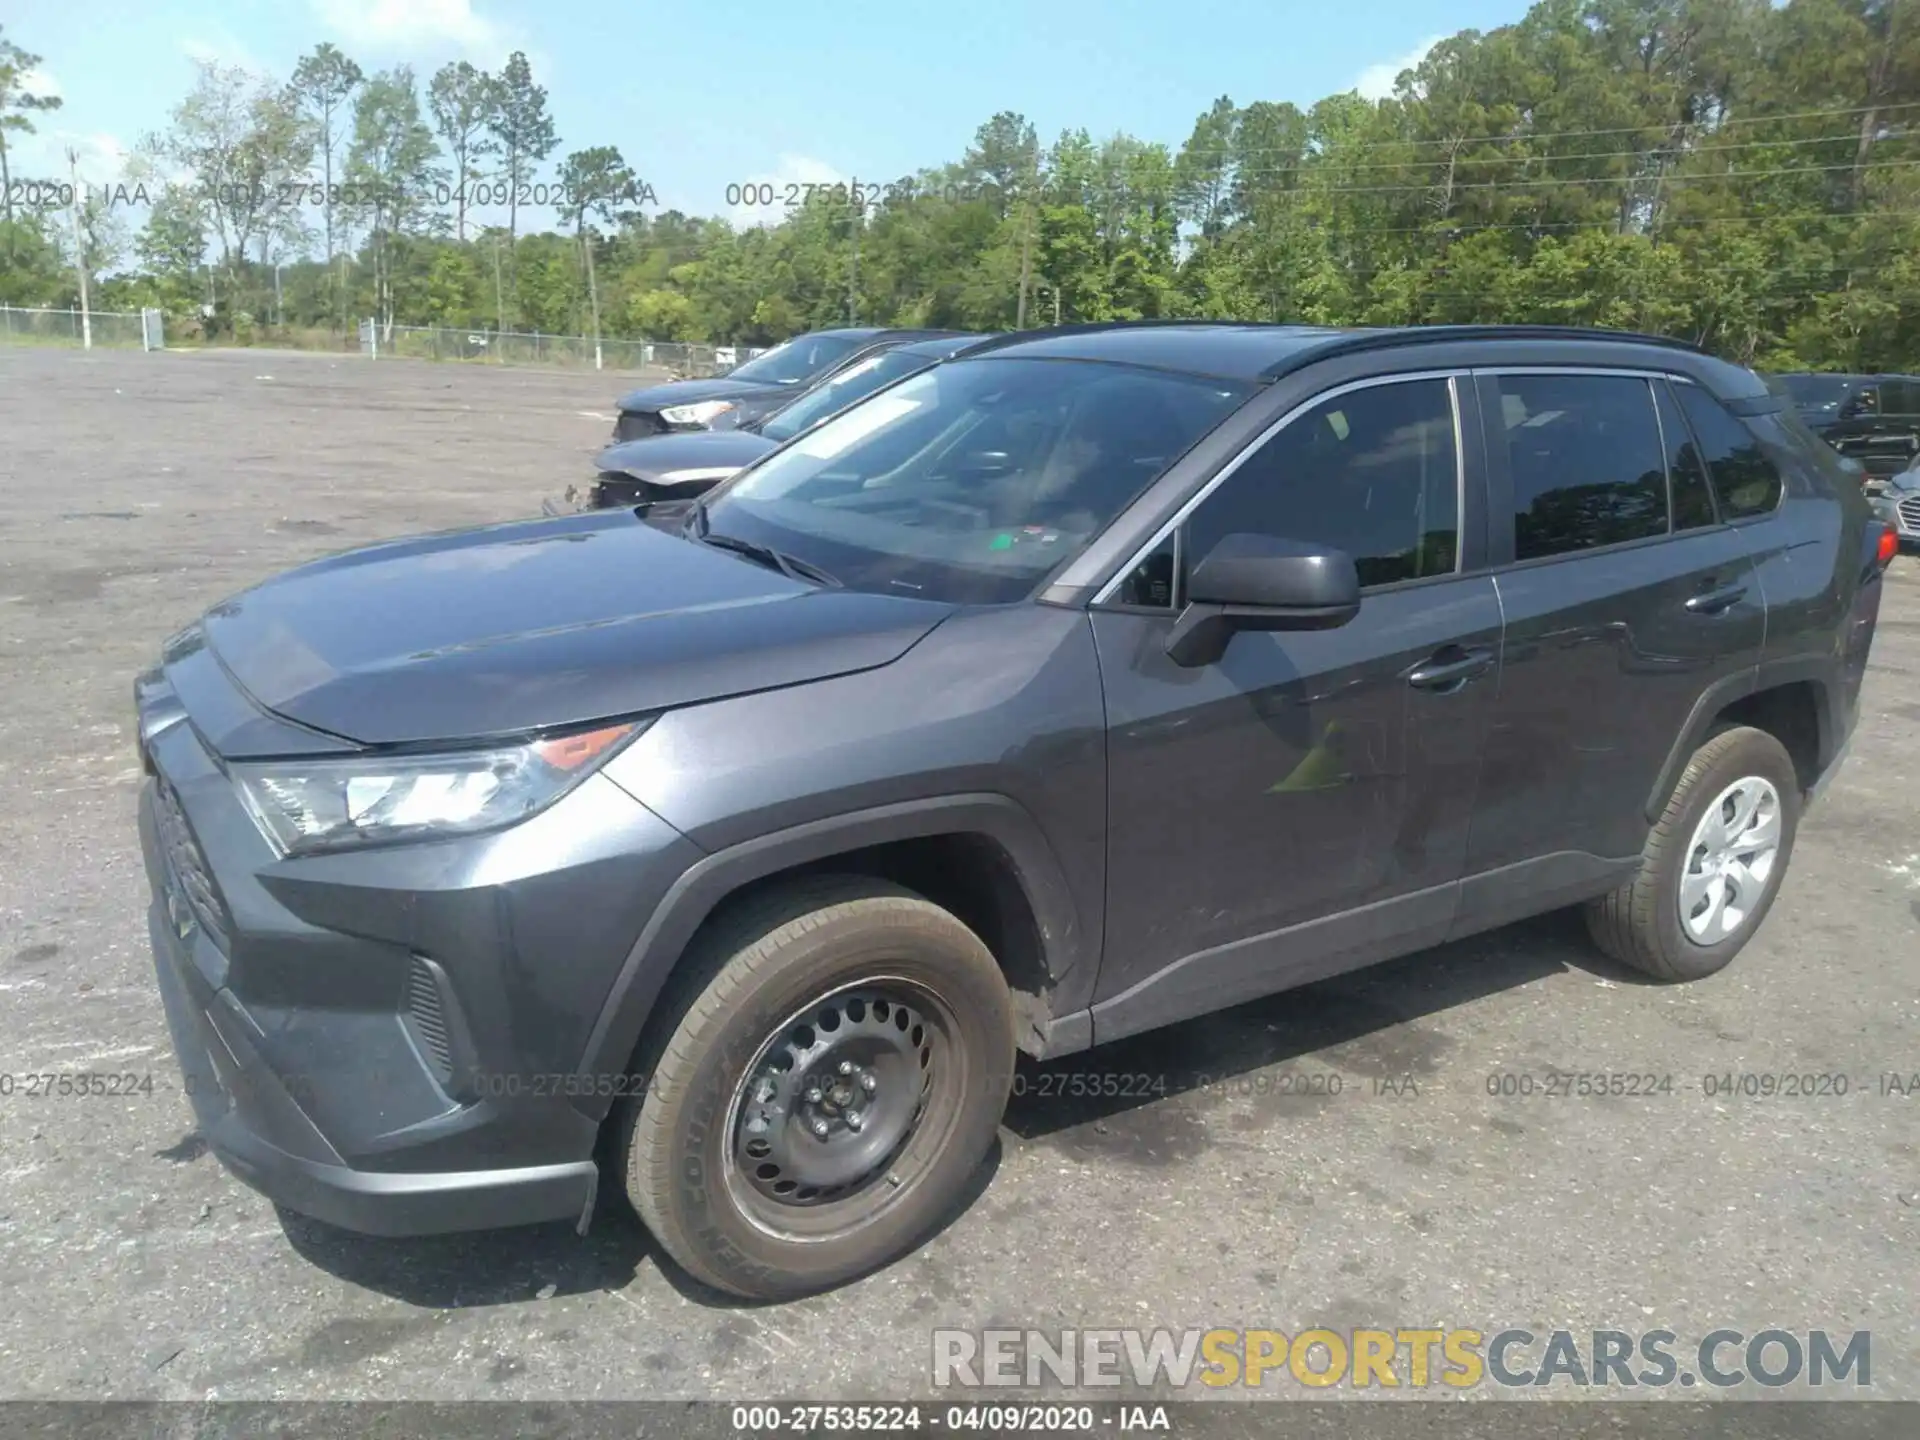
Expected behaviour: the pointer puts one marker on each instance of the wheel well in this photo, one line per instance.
(1791, 714)
(971, 876)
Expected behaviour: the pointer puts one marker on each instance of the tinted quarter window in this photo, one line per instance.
(1744, 479)
(1898, 398)
(1150, 583)
(1586, 460)
(1373, 472)
(1692, 493)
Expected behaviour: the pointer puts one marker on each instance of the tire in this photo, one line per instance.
(1641, 923)
(919, 1008)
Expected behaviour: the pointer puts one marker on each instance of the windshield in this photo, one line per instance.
(801, 359)
(856, 382)
(971, 481)
(1816, 394)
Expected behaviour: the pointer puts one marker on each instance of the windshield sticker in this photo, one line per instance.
(1026, 534)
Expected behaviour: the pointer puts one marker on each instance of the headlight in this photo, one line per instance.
(303, 806)
(700, 412)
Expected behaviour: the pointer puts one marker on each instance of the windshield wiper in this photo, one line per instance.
(791, 566)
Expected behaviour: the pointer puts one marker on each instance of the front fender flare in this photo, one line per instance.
(1069, 947)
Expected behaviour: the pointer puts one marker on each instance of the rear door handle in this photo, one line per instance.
(1450, 668)
(1713, 602)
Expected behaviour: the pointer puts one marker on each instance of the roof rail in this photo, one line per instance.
(1347, 342)
(1095, 327)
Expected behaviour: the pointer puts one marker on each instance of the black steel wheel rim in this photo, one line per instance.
(835, 1098)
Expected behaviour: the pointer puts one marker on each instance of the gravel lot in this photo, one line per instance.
(137, 489)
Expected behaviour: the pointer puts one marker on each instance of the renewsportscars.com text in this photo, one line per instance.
(1407, 1358)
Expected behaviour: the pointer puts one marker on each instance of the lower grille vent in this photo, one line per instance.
(428, 1014)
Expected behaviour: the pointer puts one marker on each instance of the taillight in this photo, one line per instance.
(1878, 547)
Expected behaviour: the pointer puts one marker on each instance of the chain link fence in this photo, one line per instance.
(125, 329)
(531, 347)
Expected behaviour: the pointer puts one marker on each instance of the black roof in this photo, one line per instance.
(1231, 349)
(1847, 375)
(948, 342)
(1241, 350)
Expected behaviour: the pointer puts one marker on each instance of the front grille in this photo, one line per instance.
(637, 425)
(188, 865)
(429, 1017)
(1910, 513)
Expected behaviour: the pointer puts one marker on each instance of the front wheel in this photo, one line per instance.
(1712, 865)
(826, 1092)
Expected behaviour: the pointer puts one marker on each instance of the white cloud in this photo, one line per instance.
(1376, 81)
(100, 158)
(220, 48)
(430, 27)
(41, 83)
(792, 171)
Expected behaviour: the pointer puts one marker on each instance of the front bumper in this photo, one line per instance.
(389, 1040)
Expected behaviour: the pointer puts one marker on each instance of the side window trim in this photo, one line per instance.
(1666, 384)
(1176, 523)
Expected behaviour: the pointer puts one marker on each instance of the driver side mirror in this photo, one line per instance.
(1258, 582)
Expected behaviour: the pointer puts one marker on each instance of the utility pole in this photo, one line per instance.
(1026, 267)
(499, 295)
(79, 249)
(853, 271)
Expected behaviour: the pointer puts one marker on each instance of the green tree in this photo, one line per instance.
(594, 184)
(391, 171)
(323, 83)
(20, 101)
(172, 246)
(460, 98)
(518, 122)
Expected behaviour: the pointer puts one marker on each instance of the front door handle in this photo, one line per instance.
(1713, 602)
(1450, 668)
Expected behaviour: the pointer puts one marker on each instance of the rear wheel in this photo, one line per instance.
(826, 1092)
(1712, 865)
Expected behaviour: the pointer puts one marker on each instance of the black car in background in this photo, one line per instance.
(677, 467)
(1872, 419)
(752, 390)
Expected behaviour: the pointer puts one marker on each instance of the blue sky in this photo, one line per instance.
(699, 96)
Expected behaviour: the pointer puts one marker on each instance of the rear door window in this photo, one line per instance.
(1586, 459)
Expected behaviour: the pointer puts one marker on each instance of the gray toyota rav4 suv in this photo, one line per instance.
(1099, 678)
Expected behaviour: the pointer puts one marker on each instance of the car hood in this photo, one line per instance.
(539, 624)
(657, 455)
(652, 399)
